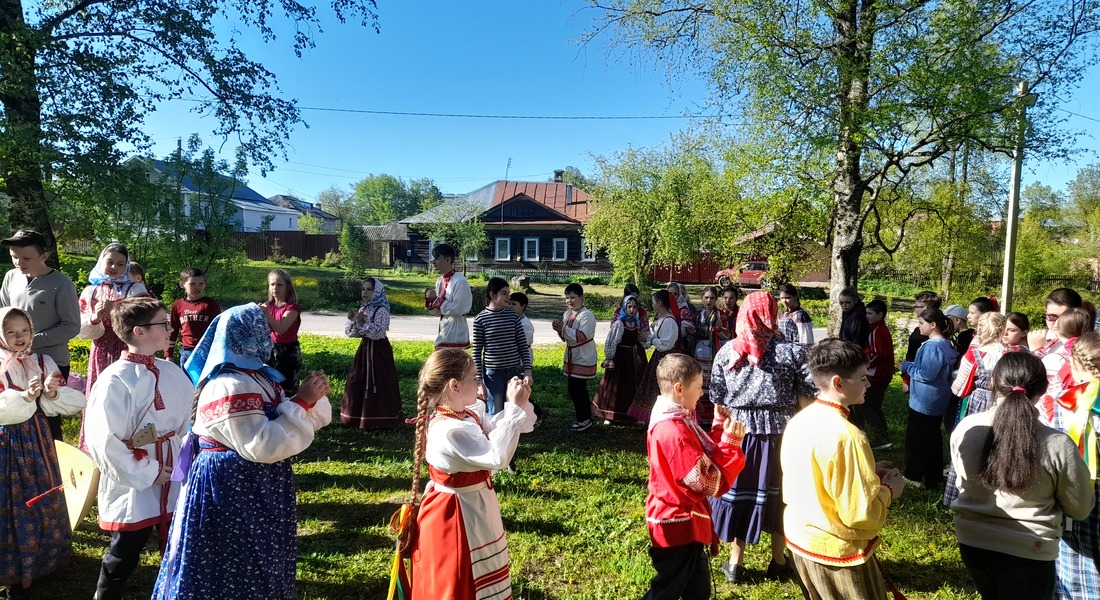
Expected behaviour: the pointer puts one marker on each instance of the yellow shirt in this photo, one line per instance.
(836, 503)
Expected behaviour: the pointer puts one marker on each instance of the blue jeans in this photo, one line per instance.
(496, 383)
(185, 353)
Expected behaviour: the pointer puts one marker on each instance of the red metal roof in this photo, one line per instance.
(561, 197)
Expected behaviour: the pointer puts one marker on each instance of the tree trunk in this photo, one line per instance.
(854, 23)
(22, 156)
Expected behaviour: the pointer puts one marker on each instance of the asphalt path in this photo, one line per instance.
(424, 329)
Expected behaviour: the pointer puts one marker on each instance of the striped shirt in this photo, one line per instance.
(499, 341)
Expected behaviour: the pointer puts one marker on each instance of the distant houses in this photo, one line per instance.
(330, 223)
(530, 225)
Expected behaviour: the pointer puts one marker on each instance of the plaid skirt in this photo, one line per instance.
(754, 503)
(1079, 558)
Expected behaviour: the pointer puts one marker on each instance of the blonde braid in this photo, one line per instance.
(1086, 351)
(423, 402)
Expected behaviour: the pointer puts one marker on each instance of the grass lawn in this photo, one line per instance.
(574, 513)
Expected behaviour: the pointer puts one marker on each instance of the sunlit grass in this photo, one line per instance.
(574, 512)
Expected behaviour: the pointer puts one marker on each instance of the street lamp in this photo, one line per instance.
(1026, 99)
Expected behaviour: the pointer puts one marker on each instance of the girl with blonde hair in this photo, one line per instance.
(463, 446)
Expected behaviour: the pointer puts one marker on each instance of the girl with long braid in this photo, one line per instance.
(461, 551)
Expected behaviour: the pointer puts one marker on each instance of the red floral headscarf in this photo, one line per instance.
(756, 323)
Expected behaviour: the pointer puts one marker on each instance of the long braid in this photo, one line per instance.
(423, 401)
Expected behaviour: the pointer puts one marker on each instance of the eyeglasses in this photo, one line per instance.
(167, 326)
(1051, 317)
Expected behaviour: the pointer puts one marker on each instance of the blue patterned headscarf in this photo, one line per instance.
(626, 318)
(99, 272)
(239, 337)
(379, 299)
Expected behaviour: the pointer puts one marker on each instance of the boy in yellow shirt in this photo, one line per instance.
(833, 531)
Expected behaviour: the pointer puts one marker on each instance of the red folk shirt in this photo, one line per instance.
(191, 318)
(678, 509)
(880, 353)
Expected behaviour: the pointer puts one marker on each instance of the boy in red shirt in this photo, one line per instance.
(880, 372)
(191, 315)
(687, 467)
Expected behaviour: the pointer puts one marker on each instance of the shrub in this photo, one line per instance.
(332, 259)
(340, 291)
(590, 280)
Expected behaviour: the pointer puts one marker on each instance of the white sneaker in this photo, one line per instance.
(581, 425)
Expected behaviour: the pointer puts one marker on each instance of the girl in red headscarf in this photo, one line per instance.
(758, 377)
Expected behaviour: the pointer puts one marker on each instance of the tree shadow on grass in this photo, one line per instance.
(523, 589)
(345, 519)
(353, 589)
(538, 526)
(927, 576)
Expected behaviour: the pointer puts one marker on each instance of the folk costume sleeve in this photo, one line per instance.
(470, 447)
(90, 327)
(68, 400)
(108, 420)
(613, 338)
(231, 411)
(458, 299)
(15, 408)
(964, 379)
(378, 324)
(861, 501)
(665, 335)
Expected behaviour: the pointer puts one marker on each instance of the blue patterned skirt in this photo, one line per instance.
(754, 503)
(1078, 563)
(234, 534)
(34, 540)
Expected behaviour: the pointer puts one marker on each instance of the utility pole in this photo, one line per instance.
(1012, 222)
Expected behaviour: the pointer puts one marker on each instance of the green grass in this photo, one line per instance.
(574, 512)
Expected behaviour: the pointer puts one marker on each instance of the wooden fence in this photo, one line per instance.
(291, 244)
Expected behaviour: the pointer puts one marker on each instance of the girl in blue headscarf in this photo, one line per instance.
(372, 399)
(235, 526)
(625, 363)
(109, 283)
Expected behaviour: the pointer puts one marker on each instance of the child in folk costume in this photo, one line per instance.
(110, 282)
(235, 531)
(837, 496)
(624, 365)
(450, 300)
(680, 306)
(138, 412)
(759, 378)
(1058, 301)
(372, 399)
(664, 338)
(687, 466)
(631, 290)
(518, 301)
(1077, 412)
(1017, 327)
(577, 328)
(35, 539)
(284, 317)
(867, 415)
(727, 316)
(705, 329)
(1070, 325)
(461, 552)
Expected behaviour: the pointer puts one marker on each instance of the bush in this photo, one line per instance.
(590, 280)
(332, 259)
(340, 291)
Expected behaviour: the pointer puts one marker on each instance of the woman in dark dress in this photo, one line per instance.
(372, 399)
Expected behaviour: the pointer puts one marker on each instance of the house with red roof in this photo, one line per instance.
(530, 225)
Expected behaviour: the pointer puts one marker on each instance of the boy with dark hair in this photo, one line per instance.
(451, 299)
(795, 323)
(832, 530)
(577, 328)
(192, 314)
(137, 272)
(518, 301)
(138, 411)
(47, 295)
(687, 467)
(880, 372)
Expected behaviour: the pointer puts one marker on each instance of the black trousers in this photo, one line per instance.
(578, 393)
(119, 562)
(1000, 576)
(869, 416)
(287, 359)
(682, 572)
(924, 449)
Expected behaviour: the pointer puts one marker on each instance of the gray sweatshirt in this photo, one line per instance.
(1028, 524)
(51, 301)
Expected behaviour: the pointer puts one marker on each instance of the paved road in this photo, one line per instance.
(424, 329)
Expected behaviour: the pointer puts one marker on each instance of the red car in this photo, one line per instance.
(751, 274)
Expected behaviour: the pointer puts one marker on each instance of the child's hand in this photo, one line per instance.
(34, 389)
(482, 391)
(721, 413)
(528, 378)
(429, 294)
(164, 476)
(557, 325)
(609, 364)
(733, 428)
(51, 385)
(895, 482)
(351, 314)
(313, 388)
(519, 391)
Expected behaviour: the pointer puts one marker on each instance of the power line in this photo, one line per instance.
(479, 116)
(1088, 118)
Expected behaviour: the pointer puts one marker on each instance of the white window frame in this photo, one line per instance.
(431, 246)
(527, 255)
(586, 254)
(507, 252)
(564, 252)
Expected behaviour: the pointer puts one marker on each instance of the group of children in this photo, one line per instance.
(162, 448)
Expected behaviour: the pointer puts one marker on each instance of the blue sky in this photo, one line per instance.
(491, 57)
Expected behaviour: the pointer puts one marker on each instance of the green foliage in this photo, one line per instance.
(311, 224)
(458, 223)
(340, 291)
(355, 249)
(379, 199)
